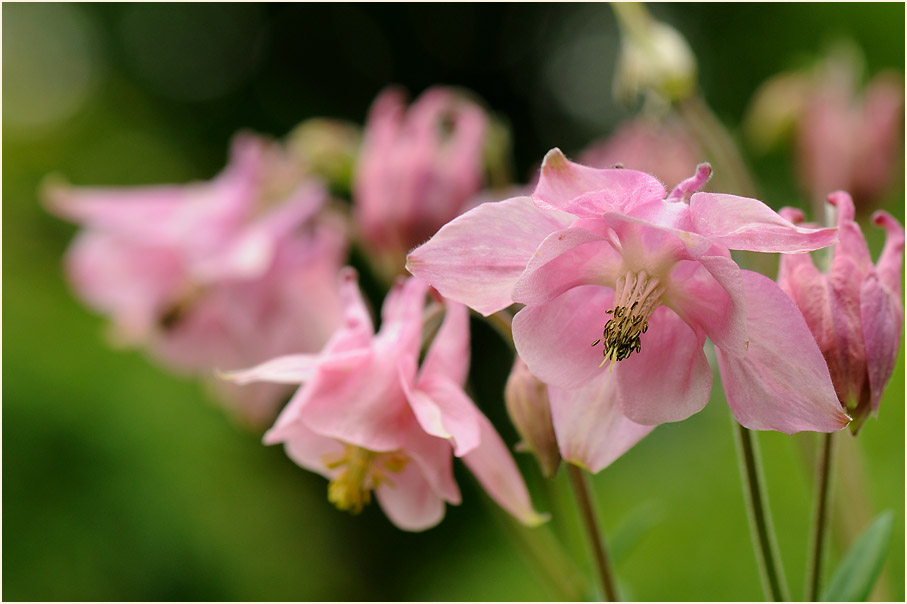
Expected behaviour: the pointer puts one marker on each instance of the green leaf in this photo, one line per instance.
(860, 567)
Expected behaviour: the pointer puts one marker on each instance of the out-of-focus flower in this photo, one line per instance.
(328, 148)
(417, 169)
(594, 247)
(221, 273)
(654, 58)
(370, 419)
(854, 311)
(845, 140)
(664, 149)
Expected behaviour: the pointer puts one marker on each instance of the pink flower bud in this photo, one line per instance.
(529, 409)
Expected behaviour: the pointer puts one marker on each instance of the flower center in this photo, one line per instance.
(636, 296)
(363, 471)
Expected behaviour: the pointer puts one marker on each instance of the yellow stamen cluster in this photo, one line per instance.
(636, 296)
(363, 471)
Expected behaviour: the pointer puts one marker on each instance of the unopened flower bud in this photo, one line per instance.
(328, 148)
(654, 57)
(527, 403)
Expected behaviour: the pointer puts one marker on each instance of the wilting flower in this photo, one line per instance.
(221, 273)
(369, 419)
(854, 311)
(844, 140)
(665, 149)
(601, 257)
(417, 170)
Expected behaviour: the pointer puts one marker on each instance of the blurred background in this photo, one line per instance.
(121, 482)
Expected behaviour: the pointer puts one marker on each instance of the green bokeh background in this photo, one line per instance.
(121, 482)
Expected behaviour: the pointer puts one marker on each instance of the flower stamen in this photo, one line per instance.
(636, 296)
(351, 490)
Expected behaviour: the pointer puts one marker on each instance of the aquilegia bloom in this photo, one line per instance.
(855, 310)
(614, 272)
(222, 273)
(368, 418)
(418, 168)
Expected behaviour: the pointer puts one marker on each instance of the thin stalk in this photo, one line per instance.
(760, 517)
(820, 519)
(583, 494)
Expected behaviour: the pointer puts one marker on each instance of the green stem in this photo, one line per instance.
(583, 494)
(820, 519)
(760, 518)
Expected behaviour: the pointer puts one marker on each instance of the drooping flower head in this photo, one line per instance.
(221, 273)
(417, 169)
(372, 420)
(662, 148)
(615, 272)
(854, 310)
(846, 138)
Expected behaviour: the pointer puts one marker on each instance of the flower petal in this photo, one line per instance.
(289, 369)
(589, 192)
(669, 379)
(309, 450)
(554, 339)
(741, 223)
(409, 500)
(564, 260)
(444, 410)
(783, 383)
(708, 295)
(448, 354)
(497, 472)
(477, 258)
(591, 430)
(889, 265)
(685, 189)
(882, 319)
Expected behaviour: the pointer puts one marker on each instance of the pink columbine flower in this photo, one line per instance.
(664, 149)
(418, 168)
(854, 310)
(370, 419)
(215, 274)
(613, 271)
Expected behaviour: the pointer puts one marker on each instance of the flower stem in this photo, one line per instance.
(760, 518)
(820, 519)
(583, 494)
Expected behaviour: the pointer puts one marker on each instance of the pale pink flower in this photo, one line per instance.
(664, 149)
(854, 310)
(418, 167)
(370, 419)
(595, 248)
(220, 273)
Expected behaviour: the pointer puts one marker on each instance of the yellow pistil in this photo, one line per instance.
(636, 296)
(363, 471)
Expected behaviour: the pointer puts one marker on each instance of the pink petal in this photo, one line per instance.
(555, 338)
(564, 260)
(289, 369)
(741, 223)
(889, 265)
(589, 192)
(708, 294)
(434, 458)
(653, 247)
(493, 466)
(448, 355)
(851, 243)
(401, 318)
(591, 430)
(685, 190)
(310, 450)
(669, 379)
(882, 319)
(444, 410)
(477, 258)
(410, 502)
(783, 383)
